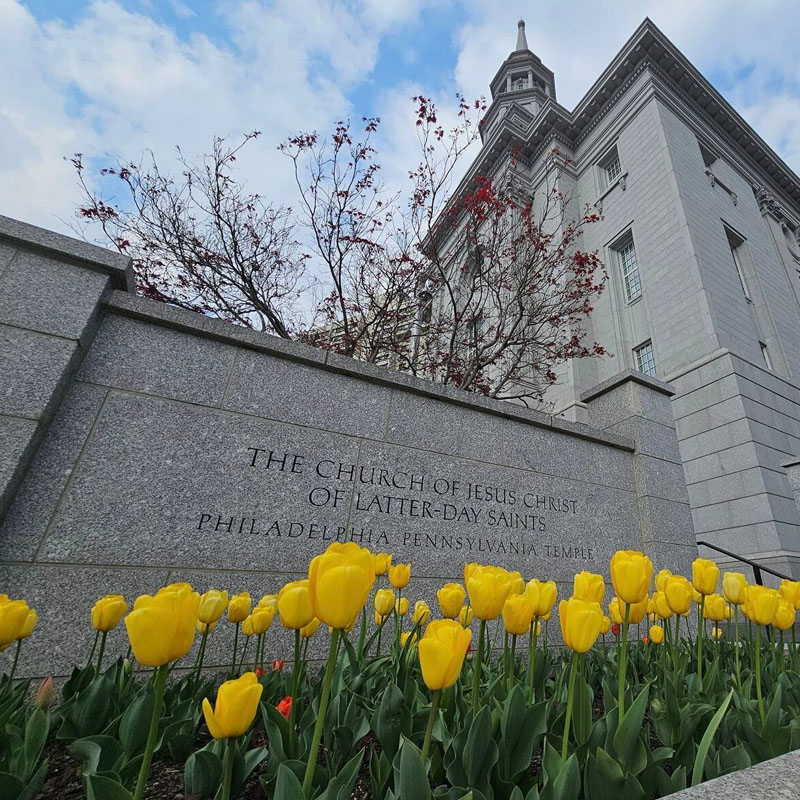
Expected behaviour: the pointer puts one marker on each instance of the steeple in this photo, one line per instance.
(522, 41)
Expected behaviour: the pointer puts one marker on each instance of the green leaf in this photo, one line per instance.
(36, 731)
(582, 711)
(772, 718)
(96, 753)
(34, 784)
(340, 787)
(98, 787)
(10, 787)
(135, 723)
(411, 777)
(202, 773)
(392, 719)
(380, 771)
(627, 739)
(705, 742)
(288, 786)
(567, 785)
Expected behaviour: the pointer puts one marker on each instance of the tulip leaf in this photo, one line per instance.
(567, 784)
(10, 787)
(772, 718)
(340, 786)
(100, 787)
(96, 753)
(582, 711)
(393, 718)
(520, 727)
(135, 722)
(202, 773)
(288, 786)
(410, 775)
(627, 738)
(380, 771)
(705, 742)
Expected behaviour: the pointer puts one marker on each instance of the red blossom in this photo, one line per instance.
(285, 706)
(277, 665)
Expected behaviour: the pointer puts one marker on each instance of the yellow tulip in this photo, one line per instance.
(537, 629)
(400, 575)
(465, 617)
(715, 608)
(631, 574)
(422, 612)
(307, 631)
(517, 583)
(784, 615)
(734, 587)
(378, 618)
(605, 625)
(790, 590)
(661, 606)
(761, 603)
(161, 628)
(468, 570)
(401, 607)
(705, 575)
(678, 592)
(405, 636)
(261, 618)
(451, 597)
(384, 602)
(13, 615)
(441, 653)
(696, 596)
(269, 600)
(239, 607)
(212, 605)
(580, 623)
(517, 614)
(294, 605)
(589, 586)
(543, 596)
(662, 577)
(339, 583)
(488, 589)
(205, 627)
(615, 611)
(247, 625)
(382, 563)
(236, 707)
(716, 633)
(108, 611)
(656, 634)
(175, 587)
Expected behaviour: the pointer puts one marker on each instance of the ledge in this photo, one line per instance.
(145, 310)
(59, 246)
(776, 779)
(628, 375)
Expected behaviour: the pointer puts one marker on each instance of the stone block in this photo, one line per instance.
(658, 478)
(17, 438)
(49, 295)
(270, 387)
(651, 438)
(35, 503)
(33, 366)
(666, 521)
(139, 357)
(7, 253)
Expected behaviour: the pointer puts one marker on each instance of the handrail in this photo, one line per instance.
(757, 568)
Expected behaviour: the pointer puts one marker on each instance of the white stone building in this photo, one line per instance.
(699, 234)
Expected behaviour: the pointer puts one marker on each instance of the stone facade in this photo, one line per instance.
(149, 444)
(709, 217)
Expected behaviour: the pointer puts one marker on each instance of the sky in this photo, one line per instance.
(113, 78)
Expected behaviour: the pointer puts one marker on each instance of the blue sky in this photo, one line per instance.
(112, 77)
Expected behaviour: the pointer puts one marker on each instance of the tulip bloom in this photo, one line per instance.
(705, 575)
(441, 655)
(422, 613)
(488, 589)
(401, 607)
(589, 586)
(605, 625)
(400, 575)
(543, 594)
(384, 602)
(285, 707)
(517, 583)
(13, 615)
(107, 612)
(716, 633)
(715, 608)
(309, 630)
(408, 639)
(656, 634)
(631, 574)
(790, 591)
(383, 561)
(269, 600)
(294, 605)
(212, 605)
(734, 588)
(465, 616)
(662, 577)
(678, 592)
(661, 606)
(261, 618)
(233, 713)
(468, 570)
(784, 615)
(239, 607)
(518, 614)
(451, 597)
(760, 605)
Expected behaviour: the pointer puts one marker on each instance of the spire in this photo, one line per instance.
(522, 42)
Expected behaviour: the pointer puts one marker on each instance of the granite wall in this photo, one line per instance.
(162, 445)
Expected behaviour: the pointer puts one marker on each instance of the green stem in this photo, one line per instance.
(159, 684)
(102, 651)
(532, 661)
(323, 707)
(94, 647)
(244, 654)
(677, 646)
(623, 660)
(781, 652)
(570, 699)
(794, 648)
(505, 656)
(513, 665)
(380, 633)
(738, 672)
(426, 744)
(758, 674)
(259, 648)
(14, 664)
(700, 637)
(363, 632)
(227, 775)
(476, 670)
(200, 657)
(398, 621)
(235, 648)
(295, 681)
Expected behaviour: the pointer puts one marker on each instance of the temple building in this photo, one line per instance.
(700, 236)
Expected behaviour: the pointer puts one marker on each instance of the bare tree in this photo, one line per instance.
(201, 241)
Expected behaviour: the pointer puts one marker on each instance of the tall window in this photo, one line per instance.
(611, 166)
(765, 354)
(645, 360)
(736, 244)
(630, 270)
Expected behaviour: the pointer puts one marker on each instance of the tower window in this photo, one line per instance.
(765, 354)
(520, 84)
(645, 360)
(629, 266)
(736, 244)
(610, 166)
